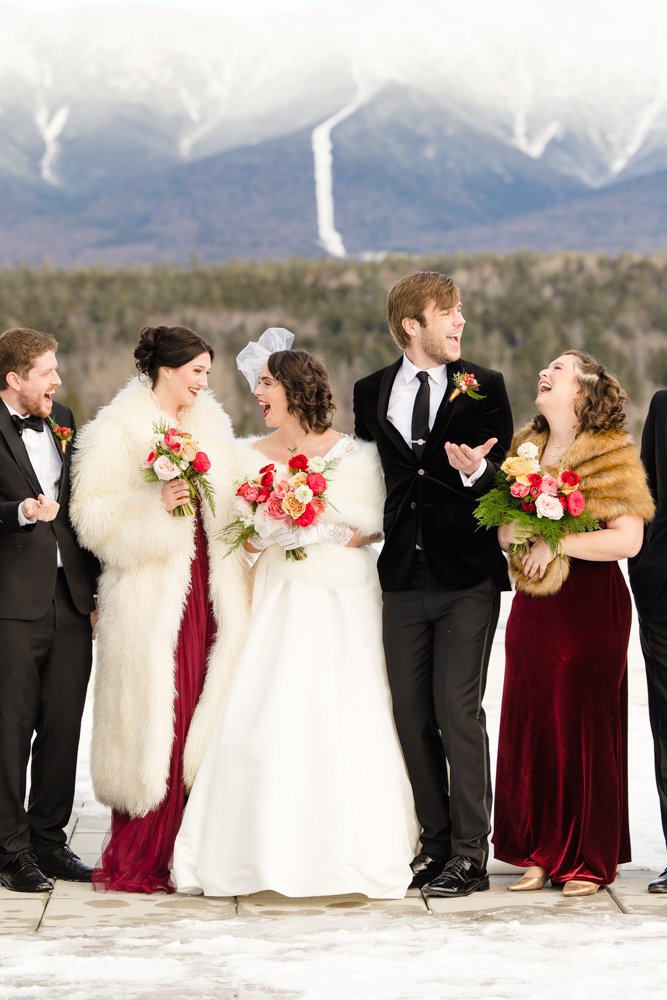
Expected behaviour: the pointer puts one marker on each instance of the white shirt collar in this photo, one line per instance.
(438, 374)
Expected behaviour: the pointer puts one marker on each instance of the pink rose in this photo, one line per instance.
(519, 490)
(317, 483)
(201, 462)
(548, 506)
(164, 469)
(281, 488)
(274, 508)
(318, 505)
(576, 503)
(549, 485)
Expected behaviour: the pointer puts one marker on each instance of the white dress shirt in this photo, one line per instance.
(402, 401)
(46, 462)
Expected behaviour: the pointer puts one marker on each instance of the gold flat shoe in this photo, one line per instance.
(577, 887)
(528, 883)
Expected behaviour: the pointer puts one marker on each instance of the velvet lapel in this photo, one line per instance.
(445, 410)
(64, 461)
(18, 449)
(383, 405)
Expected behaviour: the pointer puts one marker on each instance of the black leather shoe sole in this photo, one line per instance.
(464, 889)
(658, 886)
(27, 885)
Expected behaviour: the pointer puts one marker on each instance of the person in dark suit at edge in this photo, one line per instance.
(47, 582)
(440, 448)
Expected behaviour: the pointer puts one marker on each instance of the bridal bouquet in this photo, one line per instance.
(267, 505)
(176, 455)
(535, 501)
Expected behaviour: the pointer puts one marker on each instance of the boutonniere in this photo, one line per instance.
(466, 385)
(64, 434)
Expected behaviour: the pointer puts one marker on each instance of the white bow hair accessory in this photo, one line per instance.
(252, 358)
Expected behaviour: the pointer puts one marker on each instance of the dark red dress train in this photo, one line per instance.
(561, 787)
(137, 855)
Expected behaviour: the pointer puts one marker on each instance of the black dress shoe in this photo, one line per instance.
(63, 863)
(659, 884)
(459, 877)
(424, 868)
(23, 875)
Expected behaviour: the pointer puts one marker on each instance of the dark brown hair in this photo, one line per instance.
(412, 294)
(599, 403)
(306, 384)
(168, 346)
(19, 349)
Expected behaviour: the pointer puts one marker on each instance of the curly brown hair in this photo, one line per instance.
(306, 384)
(599, 404)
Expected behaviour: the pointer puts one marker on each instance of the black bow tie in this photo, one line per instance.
(32, 423)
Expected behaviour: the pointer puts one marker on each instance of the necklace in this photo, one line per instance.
(300, 441)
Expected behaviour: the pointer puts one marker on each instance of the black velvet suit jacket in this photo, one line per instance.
(458, 555)
(28, 561)
(648, 570)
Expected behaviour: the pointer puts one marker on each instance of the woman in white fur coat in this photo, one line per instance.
(304, 790)
(172, 609)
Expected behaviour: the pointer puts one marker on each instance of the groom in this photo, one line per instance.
(441, 578)
(47, 583)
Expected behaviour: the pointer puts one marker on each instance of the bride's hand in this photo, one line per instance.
(535, 562)
(174, 494)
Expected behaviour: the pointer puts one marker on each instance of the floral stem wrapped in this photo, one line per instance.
(535, 502)
(176, 455)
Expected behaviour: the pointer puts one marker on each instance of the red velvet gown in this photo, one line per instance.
(137, 856)
(561, 786)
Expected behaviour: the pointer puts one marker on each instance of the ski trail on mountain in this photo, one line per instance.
(329, 237)
(50, 127)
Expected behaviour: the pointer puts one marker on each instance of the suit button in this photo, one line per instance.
(421, 472)
(413, 506)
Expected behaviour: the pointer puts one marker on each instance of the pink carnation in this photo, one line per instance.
(251, 494)
(519, 490)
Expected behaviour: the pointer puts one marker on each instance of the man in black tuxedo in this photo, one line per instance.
(440, 576)
(648, 578)
(47, 584)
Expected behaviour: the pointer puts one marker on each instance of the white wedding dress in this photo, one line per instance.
(304, 790)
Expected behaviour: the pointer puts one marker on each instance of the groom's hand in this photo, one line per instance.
(41, 509)
(466, 459)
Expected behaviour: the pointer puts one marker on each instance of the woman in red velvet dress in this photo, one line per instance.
(561, 787)
(171, 608)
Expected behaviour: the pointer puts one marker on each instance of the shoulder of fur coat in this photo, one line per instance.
(612, 479)
(355, 484)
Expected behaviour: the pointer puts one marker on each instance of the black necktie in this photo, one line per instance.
(420, 414)
(32, 423)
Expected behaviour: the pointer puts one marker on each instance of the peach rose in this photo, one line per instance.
(293, 507)
(517, 465)
(188, 450)
(298, 479)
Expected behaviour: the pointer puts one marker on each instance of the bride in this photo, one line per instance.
(303, 789)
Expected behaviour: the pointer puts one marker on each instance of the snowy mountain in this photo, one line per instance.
(128, 134)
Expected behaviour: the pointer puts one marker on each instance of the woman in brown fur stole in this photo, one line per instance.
(561, 791)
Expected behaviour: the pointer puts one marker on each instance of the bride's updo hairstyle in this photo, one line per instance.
(169, 347)
(306, 384)
(599, 404)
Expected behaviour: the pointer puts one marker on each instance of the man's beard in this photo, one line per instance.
(436, 351)
(34, 402)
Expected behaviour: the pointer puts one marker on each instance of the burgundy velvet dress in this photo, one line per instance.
(561, 787)
(137, 855)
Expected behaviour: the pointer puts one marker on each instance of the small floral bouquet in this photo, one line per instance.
(64, 434)
(267, 504)
(176, 455)
(466, 385)
(535, 501)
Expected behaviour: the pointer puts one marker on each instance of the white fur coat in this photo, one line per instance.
(146, 553)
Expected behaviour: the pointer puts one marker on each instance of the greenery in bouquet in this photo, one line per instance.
(176, 455)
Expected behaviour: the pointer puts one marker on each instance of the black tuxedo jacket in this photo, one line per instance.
(648, 569)
(28, 560)
(428, 490)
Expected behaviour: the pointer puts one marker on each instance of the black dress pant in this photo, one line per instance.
(44, 671)
(653, 637)
(437, 646)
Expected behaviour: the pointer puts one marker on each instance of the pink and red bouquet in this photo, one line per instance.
(175, 455)
(542, 505)
(267, 503)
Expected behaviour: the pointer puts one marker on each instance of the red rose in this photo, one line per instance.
(267, 478)
(563, 502)
(267, 468)
(576, 503)
(534, 491)
(63, 430)
(263, 495)
(317, 483)
(201, 462)
(307, 517)
(569, 478)
(151, 458)
(528, 506)
(535, 479)
(297, 462)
